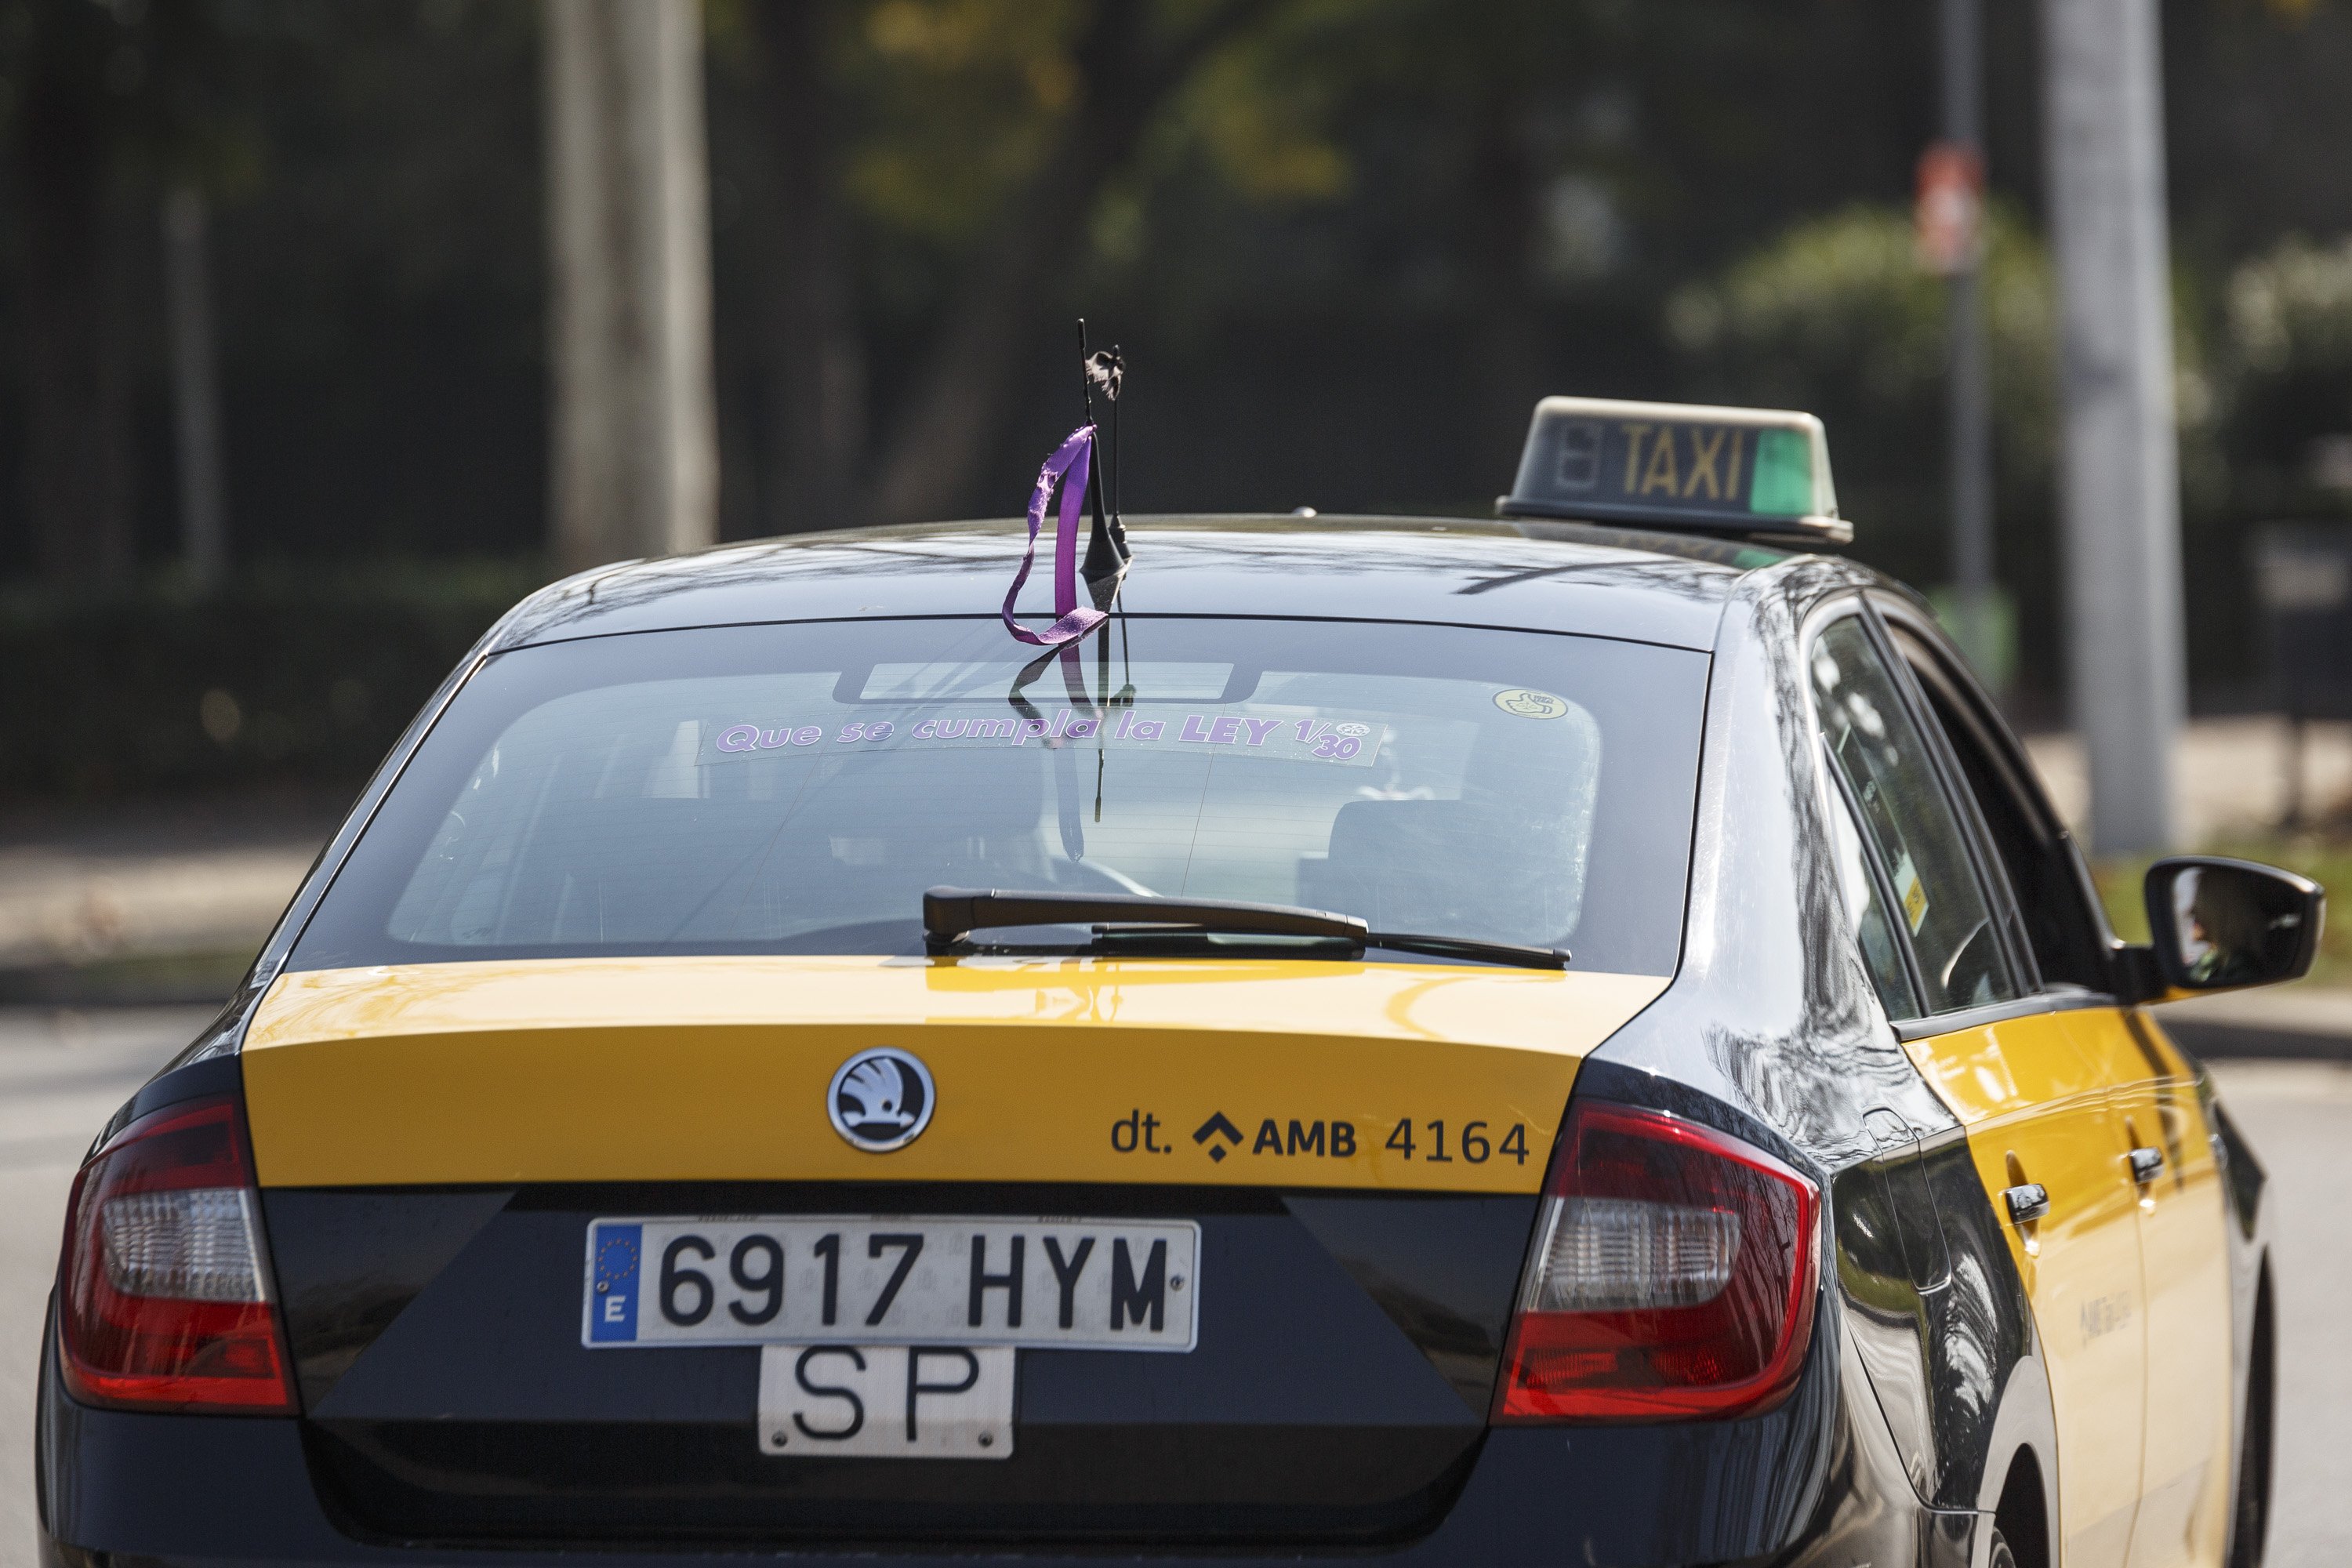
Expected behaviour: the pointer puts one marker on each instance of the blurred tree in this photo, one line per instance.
(818, 352)
(380, 264)
(195, 386)
(1523, 128)
(1123, 62)
(1835, 315)
(2289, 377)
(107, 106)
(71, 65)
(2256, 107)
(1343, 248)
(1838, 316)
(634, 438)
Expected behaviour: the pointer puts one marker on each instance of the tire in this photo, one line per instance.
(2246, 1528)
(2250, 1509)
(2001, 1556)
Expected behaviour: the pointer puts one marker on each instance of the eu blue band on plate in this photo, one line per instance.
(616, 1251)
(1738, 471)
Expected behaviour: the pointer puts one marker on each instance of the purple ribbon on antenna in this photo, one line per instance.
(1068, 464)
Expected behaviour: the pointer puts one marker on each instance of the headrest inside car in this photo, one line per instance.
(1430, 866)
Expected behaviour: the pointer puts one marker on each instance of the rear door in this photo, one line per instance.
(2185, 1461)
(2154, 1130)
(1975, 1018)
(2184, 1245)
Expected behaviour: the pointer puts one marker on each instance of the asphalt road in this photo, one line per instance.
(62, 1075)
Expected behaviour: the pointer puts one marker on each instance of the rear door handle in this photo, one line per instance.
(2146, 1166)
(2027, 1203)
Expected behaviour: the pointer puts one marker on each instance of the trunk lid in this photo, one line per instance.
(433, 1143)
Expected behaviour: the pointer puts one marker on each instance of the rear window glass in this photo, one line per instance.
(795, 788)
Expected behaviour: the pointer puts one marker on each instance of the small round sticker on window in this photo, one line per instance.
(1531, 704)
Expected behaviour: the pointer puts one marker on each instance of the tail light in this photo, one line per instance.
(165, 1300)
(1674, 1277)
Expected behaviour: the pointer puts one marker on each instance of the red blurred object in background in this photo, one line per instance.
(1948, 215)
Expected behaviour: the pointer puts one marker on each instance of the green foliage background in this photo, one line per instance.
(305, 676)
(1355, 245)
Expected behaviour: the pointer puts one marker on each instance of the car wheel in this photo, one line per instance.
(2001, 1556)
(2246, 1530)
(2250, 1524)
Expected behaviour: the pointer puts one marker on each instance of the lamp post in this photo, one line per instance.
(195, 389)
(2119, 487)
(634, 446)
(1950, 219)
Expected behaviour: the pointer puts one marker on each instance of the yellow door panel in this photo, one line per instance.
(1293, 1073)
(1980, 1074)
(2037, 1112)
(2184, 1260)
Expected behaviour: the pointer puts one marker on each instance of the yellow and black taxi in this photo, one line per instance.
(1575, 1038)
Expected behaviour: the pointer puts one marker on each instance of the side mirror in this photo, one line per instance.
(2220, 924)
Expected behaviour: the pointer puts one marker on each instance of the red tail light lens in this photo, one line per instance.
(165, 1300)
(1674, 1277)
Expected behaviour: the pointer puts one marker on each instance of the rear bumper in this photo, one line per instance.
(1818, 1487)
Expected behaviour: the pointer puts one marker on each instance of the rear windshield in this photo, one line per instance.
(794, 789)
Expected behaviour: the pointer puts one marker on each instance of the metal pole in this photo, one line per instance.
(2296, 733)
(1971, 424)
(2119, 483)
(195, 389)
(635, 446)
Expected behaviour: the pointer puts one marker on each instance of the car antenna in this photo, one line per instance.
(1109, 371)
(1114, 380)
(1107, 549)
(1086, 376)
(1102, 683)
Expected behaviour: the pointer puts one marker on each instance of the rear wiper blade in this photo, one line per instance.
(952, 914)
(1472, 947)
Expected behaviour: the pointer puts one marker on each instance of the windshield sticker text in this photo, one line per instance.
(1284, 736)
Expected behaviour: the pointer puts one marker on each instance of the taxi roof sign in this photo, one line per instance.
(1746, 472)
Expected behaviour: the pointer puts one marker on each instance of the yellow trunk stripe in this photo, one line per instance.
(715, 1068)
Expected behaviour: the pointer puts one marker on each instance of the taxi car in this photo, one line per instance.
(1575, 1038)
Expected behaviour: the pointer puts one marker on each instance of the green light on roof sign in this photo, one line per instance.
(1784, 475)
(1665, 464)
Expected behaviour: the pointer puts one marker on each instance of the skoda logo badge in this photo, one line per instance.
(881, 1100)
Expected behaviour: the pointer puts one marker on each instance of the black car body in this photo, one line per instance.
(444, 1409)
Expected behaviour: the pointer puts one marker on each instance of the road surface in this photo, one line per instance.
(61, 1075)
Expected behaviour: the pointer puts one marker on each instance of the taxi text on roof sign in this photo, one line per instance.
(1742, 472)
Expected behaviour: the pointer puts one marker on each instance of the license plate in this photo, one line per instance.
(888, 1402)
(866, 1280)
